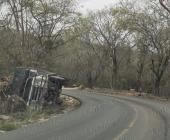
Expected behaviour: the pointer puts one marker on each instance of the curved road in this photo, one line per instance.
(102, 118)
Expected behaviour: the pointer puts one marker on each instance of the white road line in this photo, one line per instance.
(120, 136)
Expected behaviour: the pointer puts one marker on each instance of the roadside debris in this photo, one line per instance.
(4, 117)
(12, 104)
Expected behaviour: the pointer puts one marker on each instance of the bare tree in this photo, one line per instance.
(156, 32)
(93, 56)
(39, 26)
(164, 4)
(111, 36)
(142, 49)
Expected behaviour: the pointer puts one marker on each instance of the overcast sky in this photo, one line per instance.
(86, 5)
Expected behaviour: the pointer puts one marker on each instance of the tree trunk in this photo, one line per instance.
(139, 84)
(90, 82)
(157, 86)
(139, 77)
(114, 69)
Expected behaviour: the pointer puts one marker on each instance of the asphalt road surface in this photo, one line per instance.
(102, 118)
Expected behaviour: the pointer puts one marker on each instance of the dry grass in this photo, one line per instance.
(22, 119)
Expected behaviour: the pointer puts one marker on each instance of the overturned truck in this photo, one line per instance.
(36, 86)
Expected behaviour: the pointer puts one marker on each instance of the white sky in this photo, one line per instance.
(92, 5)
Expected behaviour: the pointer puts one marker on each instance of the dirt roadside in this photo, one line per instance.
(127, 93)
(9, 122)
